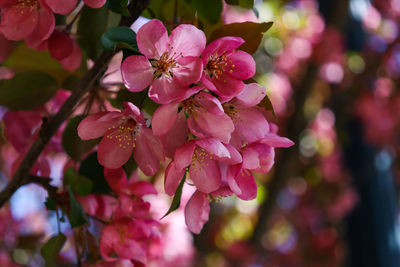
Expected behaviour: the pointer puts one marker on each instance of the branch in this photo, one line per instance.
(49, 128)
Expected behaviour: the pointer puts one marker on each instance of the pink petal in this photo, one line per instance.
(220, 46)
(62, 7)
(95, 3)
(243, 65)
(142, 188)
(250, 158)
(148, 151)
(43, 30)
(100, 206)
(176, 137)
(189, 71)
(74, 60)
(17, 22)
(188, 40)
(173, 177)
(214, 146)
(205, 172)
(197, 211)
(130, 110)
(207, 82)
(276, 141)
(250, 124)
(7, 3)
(96, 125)
(164, 118)
(152, 39)
(60, 45)
(116, 178)
(209, 103)
(227, 86)
(218, 126)
(137, 73)
(183, 155)
(234, 156)
(251, 95)
(164, 91)
(112, 153)
(243, 184)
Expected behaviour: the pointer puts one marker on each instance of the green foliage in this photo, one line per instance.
(251, 32)
(209, 10)
(50, 203)
(79, 183)
(91, 169)
(51, 249)
(77, 215)
(139, 99)
(27, 90)
(241, 3)
(176, 201)
(23, 59)
(72, 143)
(91, 26)
(118, 6)
(119, 37)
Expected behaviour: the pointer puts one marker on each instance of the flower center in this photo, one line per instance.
(22, 4)
(165, 64)
(199, 156)
(232, 112)
(217, 65)
(125, 133)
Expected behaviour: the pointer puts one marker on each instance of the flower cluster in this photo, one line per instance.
(209, 122)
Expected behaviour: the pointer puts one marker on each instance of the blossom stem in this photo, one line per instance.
(47, 130)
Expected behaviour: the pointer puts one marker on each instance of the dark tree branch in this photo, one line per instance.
(49, 128)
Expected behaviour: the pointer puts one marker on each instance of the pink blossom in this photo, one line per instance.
(250, 123)
(197, 212)
(225, 68)
(21, 19)
(232, 14)
(124, 132)
(206, 117)
(203, 156)
(169, 65)
(125, 238)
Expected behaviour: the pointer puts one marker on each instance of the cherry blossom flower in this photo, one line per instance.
(22, 18)
(225, 68)
(124, 132)
(169, 65)
(203, 156)
(206, 117)
(248, 119)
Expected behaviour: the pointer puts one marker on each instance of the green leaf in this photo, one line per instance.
(72, 143)
(139, 99)
(79, 183)
(119, 37)
(246, 3)
(23, 59)
(51, 249)
(176, 201)
(209, 10)
(91, 26)
(232, 2)
(50, 203)
(27, 90)
(77, 215)
(118, 6)
(91, 169)
(251, 32)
